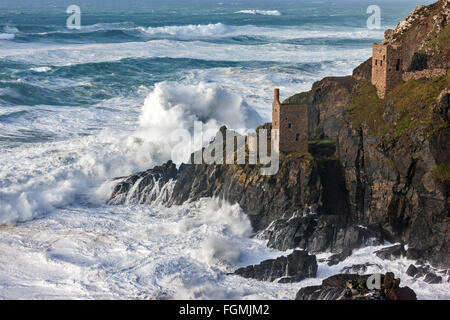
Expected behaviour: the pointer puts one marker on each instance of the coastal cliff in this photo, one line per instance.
(376, 170)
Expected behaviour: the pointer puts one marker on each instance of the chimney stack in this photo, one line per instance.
(277, 95)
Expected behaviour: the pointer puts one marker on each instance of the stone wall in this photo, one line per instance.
(386, 68)
(293, 128)
(424, 74)
(291, 121)
(394, 67)
(379, 68)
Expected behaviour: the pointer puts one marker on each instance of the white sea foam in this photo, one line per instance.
(35, 179)
(261, 12)
(6, 36)
(41, 69)
(190, 30)
(139, 252)
(221, 30)
(134, 253)
(10, 29)
(94, 53)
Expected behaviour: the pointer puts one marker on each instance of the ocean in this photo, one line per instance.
(79, 107)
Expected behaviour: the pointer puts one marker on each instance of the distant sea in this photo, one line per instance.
(79, 107)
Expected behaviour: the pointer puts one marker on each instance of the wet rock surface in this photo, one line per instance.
(144, 187)
(360, 268)
(339, 257)
(425, 272)
(292, 268)
(354, 287)
(391, 253)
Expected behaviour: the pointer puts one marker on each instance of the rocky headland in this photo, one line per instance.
(377, 170)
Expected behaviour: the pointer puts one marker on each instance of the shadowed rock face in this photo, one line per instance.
(296, 189)
(426, 272)
(391, 253)
(393, 187)
(293, 268)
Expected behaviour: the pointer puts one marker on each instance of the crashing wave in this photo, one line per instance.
(190, 30)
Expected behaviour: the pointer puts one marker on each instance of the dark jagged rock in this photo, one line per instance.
(293, 268)
(321, 293)
(423, 271)
(364, 71)
(336, 234)
(432, 278)
(326, 100)
(291, 233)
(391, 253)
(296, 189)
(319, 233)
(412, 270)
(405, 293)
(354, 287)
(339, 257)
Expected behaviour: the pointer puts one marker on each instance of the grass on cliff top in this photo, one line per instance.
(442, 172)
(440, 44)
(413, 103)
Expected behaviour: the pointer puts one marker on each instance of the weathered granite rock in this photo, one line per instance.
(424, 271)
(359, 268)
(391, 253)
(326, 100)
(319, 233)
(412, 270)
(296, 189)
(432, 278)
(339, 257)
(293, 268)
(392, 187)
(405, 293)
(145, 187)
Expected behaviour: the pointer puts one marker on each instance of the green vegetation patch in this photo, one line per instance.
(413, 103)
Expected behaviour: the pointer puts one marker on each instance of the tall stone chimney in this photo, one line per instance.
(277, 95)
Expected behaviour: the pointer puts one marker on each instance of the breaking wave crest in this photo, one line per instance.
(190, 30)
(35, 180)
